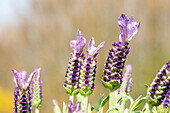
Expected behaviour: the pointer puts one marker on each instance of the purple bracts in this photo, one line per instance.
(159, 90)
(112, 78)
(128, 27)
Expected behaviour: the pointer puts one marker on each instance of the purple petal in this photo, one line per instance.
(128, 69)
(29, 80)
(37, 73)
(79, 35)
(73, 44)
(78, 45)
(92, 50)
(91, 44)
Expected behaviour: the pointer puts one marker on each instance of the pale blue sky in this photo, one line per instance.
(11, 10)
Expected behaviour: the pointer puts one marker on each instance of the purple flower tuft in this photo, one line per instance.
(128, 27)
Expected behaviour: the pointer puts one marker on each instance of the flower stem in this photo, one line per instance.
(36, 110)
(111, 102)
(71, 98)
(85, 104)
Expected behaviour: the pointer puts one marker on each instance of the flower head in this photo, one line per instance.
(22, 91)
(37, 89)
(112, 77)
(159, 90)
(78, 45)
(128, 27)
(88, 70)
(71, 85)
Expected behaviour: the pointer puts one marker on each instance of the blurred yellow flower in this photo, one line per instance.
(6, 101)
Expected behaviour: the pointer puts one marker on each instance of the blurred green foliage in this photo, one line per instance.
(42, 40)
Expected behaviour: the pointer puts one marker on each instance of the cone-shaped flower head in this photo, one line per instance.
(74, 109)
(126, 86)
(112, 78)
(37, 89)
(128, 27)
(71, 84)
(22, 95)
(159, 90)
(88, 71)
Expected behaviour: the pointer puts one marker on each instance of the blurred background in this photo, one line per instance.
(36, 33)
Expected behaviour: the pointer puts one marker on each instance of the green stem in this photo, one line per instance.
(111, 102)
(36, 110)
(71, 98)
(85, 104)
(148, 108)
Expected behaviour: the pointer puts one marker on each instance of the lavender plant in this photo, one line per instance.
(88, 71)
(112, 77)
(80, 77)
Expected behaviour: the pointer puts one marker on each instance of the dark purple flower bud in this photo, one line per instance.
(159, 89)
(88, 70)
(74, 109)
(71, 85)
(37, 89)
(112, 78)
(128, 27)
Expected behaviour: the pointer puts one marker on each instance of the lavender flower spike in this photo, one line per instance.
(22, 91)
(159, 90)
(74, 109)
(71, 84)
(126, 86)
(37, 89)
(128, 28)
(112, 77)
(88, 71)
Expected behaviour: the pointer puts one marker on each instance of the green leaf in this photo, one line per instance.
(136, 103)
(99, 100)
(104, 101)
(147, 87)
(94, 107)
